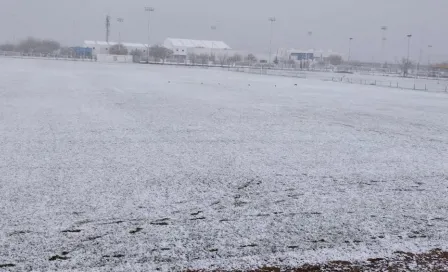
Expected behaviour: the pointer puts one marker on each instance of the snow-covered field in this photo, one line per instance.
(136, 167)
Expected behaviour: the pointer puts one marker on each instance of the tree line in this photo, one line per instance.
(32, 45)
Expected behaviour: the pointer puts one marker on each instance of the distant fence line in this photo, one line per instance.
(409, 85)
(435, 85)
(270, 71)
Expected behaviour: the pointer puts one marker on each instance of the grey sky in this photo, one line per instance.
(243, 24)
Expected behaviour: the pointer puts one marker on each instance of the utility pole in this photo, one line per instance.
(272, 20)
(149, 10)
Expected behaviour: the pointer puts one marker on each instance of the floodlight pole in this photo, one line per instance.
(383, 43)
(149, 10)
(213, 28)
(409, 46)
(429, 55)
(119, 20)
(272, 20)
(349, 49)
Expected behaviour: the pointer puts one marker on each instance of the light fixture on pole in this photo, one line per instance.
(272, 20)
(149, 10)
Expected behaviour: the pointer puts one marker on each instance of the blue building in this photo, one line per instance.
(82, 52)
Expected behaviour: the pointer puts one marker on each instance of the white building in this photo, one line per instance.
(183, 47)
(300, 54)
(102, 47)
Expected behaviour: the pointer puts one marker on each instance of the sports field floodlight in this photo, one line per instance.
(272, 20)
(119, 20)
(349, 48)
(409, 45)
(149, 10)
(383, 42)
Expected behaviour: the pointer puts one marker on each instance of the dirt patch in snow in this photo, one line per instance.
(435, 260)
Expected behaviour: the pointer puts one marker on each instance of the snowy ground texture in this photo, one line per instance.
(137, 167)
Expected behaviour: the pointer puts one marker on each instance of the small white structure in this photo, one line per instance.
(182, 47)
(114, 58)
(102, 47)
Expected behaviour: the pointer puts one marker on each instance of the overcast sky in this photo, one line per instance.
(243, 24)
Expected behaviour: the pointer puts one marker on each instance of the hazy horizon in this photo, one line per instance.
(242, 25)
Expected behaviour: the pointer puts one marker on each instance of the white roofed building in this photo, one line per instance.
(182, 47)
(102, 47)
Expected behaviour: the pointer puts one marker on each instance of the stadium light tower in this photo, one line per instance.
(272, 20)
(383, 43)
(149, 10)
(120, 21)
(212, 28)
(310, 35)
(429, 55)
(409, 46)
(349, 48)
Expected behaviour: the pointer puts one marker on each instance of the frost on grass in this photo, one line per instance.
(110, 167)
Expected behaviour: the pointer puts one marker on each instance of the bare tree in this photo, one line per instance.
(66, 51)
(7, 47)
(203, 58)
(160, 53)
(235, 58)
(223, 59)
(136, 55)
(33, 45)
(251, 58)
(212, 58)
(291, 63)
(193, 58)
(335, 60)
(118, 49)
(49, 46)
(405, 66)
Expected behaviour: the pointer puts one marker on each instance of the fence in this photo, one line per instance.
(21, 55)
(272, 72)
(421, 84)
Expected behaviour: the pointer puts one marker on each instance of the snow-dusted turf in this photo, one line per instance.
(135, 167)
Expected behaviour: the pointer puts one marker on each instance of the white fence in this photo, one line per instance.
(271, 72)
(115, 58)
(391, 81)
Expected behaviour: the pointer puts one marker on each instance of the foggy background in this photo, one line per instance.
(243, 24)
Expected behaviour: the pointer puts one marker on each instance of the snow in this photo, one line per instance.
(217, 168)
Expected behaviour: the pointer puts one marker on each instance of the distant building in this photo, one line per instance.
(81, 52)
(301, 55)
(102, 47)
(182, 47)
